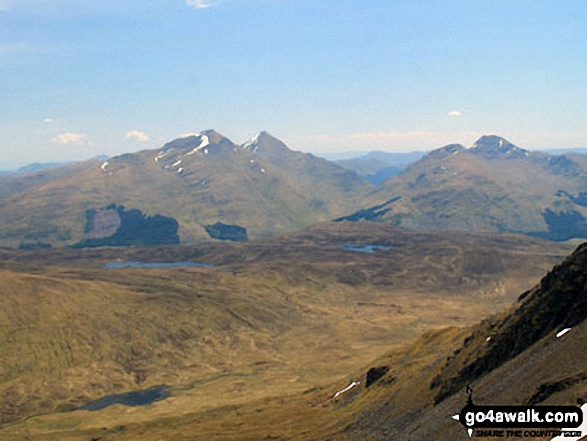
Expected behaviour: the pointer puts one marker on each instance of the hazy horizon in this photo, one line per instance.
(331, 156)
(83, 78)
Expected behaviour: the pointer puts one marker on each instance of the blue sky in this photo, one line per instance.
(80, 78)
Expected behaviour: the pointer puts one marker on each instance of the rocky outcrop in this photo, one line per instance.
(375, 374)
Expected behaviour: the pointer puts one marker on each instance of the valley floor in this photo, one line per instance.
(252, 348)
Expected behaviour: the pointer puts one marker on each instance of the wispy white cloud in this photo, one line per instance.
(138, 135)
(455, 113)
(198, 4)
(72, 138)
(48, 120)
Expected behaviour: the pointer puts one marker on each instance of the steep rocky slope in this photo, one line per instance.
(536, 353)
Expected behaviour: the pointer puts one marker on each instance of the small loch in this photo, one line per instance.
(135, 398)
(368, 249)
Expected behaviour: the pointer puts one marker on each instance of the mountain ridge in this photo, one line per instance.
(198, 180)
(492, 186)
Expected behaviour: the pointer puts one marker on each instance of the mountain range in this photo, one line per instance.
(205, 187)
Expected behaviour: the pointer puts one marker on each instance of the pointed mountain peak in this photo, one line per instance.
(214, 137)
(193, 141)
(264, 141)
(493, 142)
(252, 143)
(493, 147)
(266, 137)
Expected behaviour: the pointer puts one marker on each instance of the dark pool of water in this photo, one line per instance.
(119, 265)
(136, 398)
(369, 249)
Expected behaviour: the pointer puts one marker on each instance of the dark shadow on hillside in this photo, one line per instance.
(134, 228)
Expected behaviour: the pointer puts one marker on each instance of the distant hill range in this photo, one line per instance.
(37, 175)
(577, 150)
(376, 167)
(42, 166)
(492, 186)
(204, 182)
(205, 187)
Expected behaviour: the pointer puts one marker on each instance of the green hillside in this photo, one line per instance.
(493, 186)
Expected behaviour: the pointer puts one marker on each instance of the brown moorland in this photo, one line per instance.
(255, 347)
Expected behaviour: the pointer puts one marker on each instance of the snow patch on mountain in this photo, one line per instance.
(205, 141)
(252, 144)
(346, 389)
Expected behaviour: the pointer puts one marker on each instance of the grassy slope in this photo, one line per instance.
(72, 340)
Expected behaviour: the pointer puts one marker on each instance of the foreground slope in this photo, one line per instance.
(198, 180)
(493, 186)
(512, 358)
